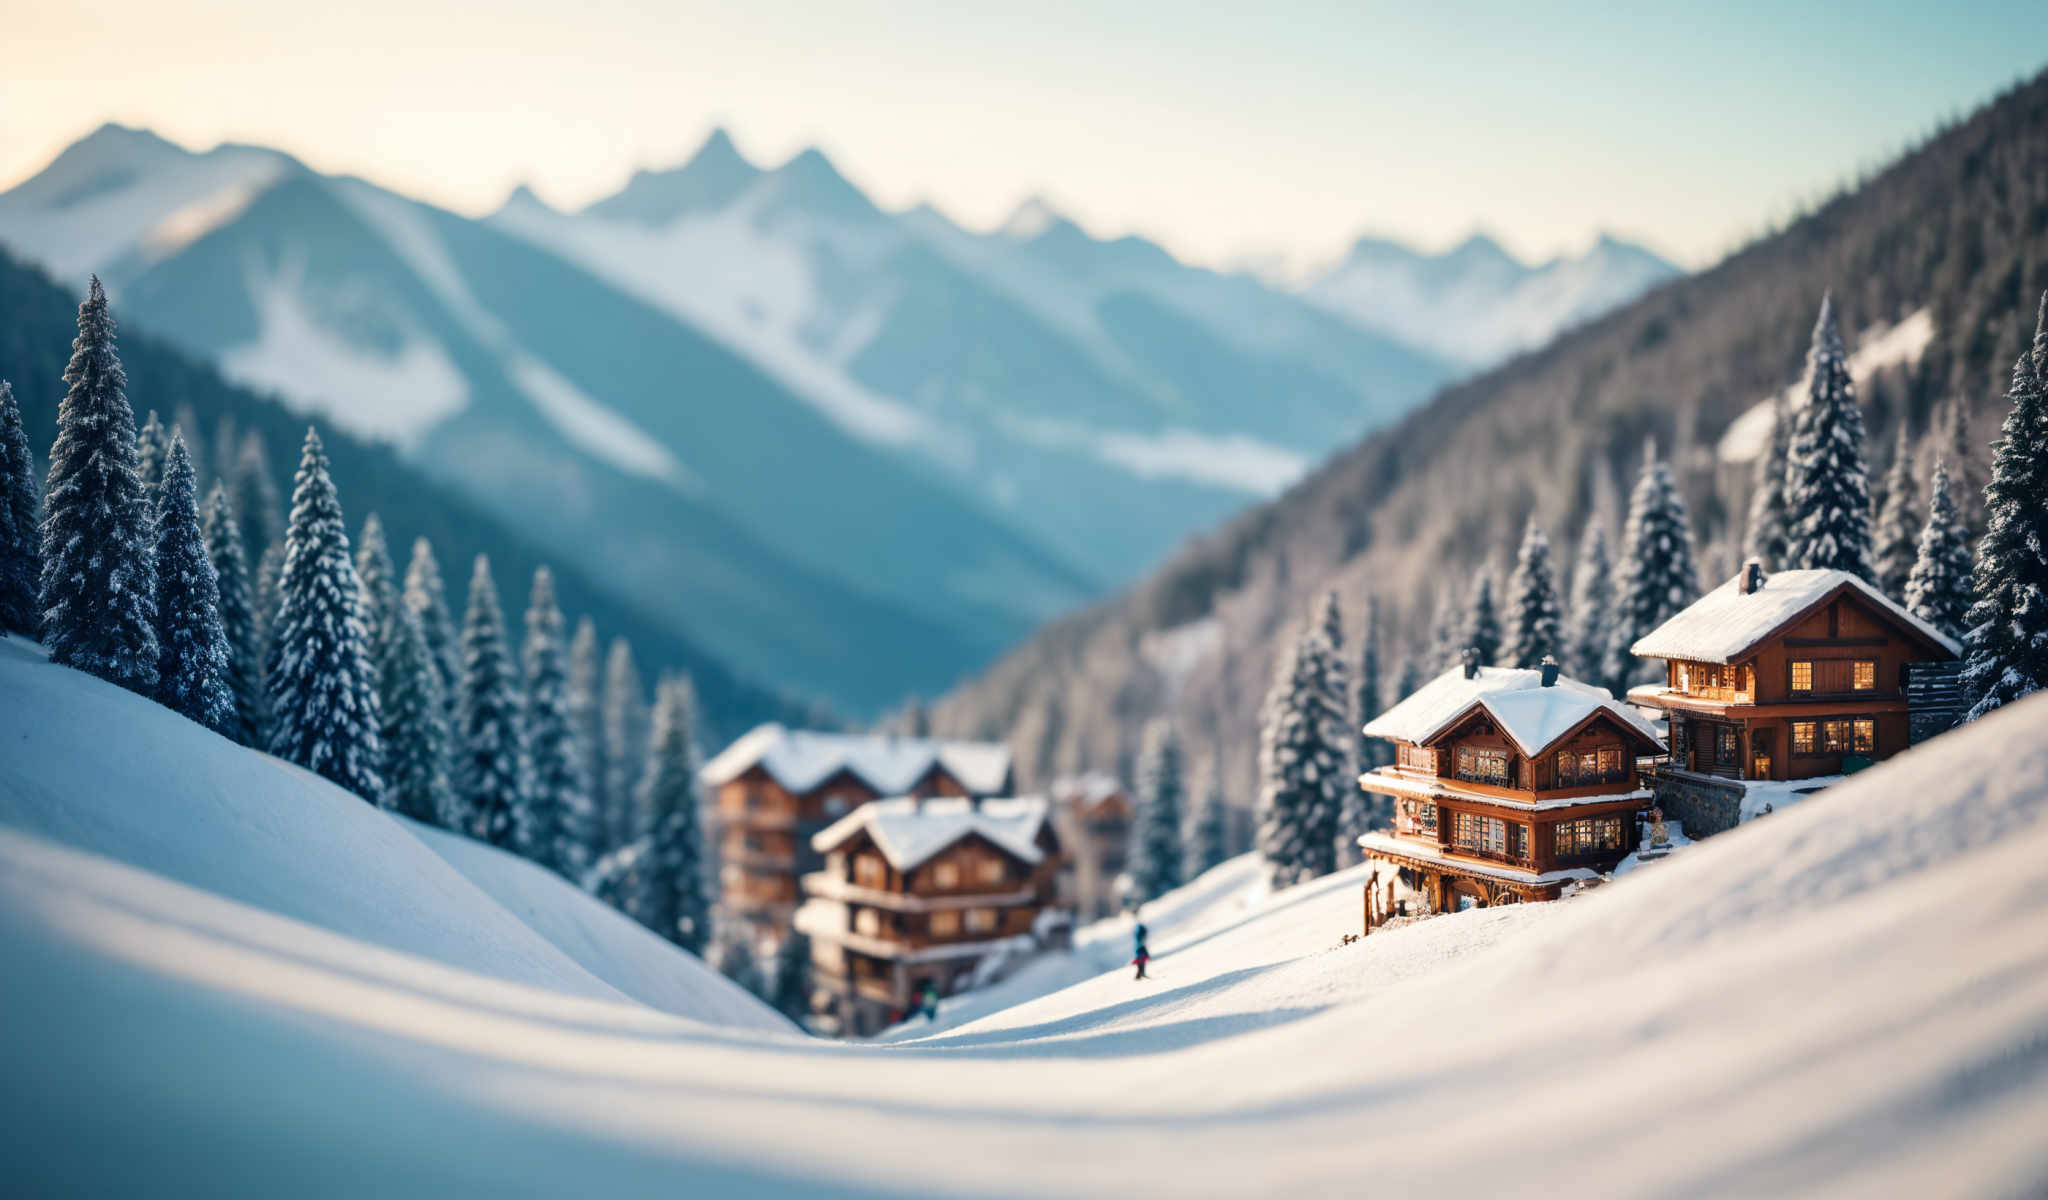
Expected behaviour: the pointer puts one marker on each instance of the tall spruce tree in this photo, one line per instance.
(416, 741)
(427, 597)
(668, 894)
(1898, 523)
(1205, 842)
(789, 988)
(321, 688)
(586, 718)
(249, 724)
(1155, 849)
(1769, 519)
(2006, 656)
(1445, 631)
(1657, 576)
(185, 423)
(152, 453)
(379, 578)
(1372, 696)
(1535, 622)
(194, 660)
(560, 836)
(1826, 487)
(257, 503)
(1482, 619)
(1337, 679)
(1592, 612)
(268, 597)
(625, 744)
(227, 444)
(490, 741)
(21, 552)
(1300, 777)
(98, 588)
(1938, 590)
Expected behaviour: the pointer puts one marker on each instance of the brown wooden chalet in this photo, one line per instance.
(1507, 785)
(1093, 813)
(775, 788)
(923, 890)
(1782, 677)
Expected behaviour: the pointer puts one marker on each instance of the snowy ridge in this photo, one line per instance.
(909, 831)
(1723, 625)
(1888, 346)
(1533, 715)
(1843, 998)
(801, 759)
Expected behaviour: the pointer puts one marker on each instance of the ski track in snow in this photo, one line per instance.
(274, 980)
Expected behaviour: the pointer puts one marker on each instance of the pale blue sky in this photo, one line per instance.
(1224, 130)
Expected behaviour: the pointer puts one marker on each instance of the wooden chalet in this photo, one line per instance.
(1093, 813)
(917, 891)
(1507, 785)
(775, 788)
(1796, 675)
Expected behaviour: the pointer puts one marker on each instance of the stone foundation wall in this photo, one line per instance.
(1702, 809)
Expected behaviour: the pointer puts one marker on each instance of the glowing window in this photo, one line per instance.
(1802, 676)
(1865, 676)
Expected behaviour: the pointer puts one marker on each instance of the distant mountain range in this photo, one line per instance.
(855, 452)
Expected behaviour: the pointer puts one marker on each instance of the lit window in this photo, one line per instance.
(946, 875)
(1483, 766)
(1488, 835)
(991, 870)
(945, 924)
(1802, 676)
(1802, 737)
(1864, 678)
(867, 923)
(1866, 736)
(1593, 835)
(981, 920)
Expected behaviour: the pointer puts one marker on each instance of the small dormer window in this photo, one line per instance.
(946, 875)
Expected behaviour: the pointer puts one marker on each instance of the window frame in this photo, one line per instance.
(1799, 666)
(1805, 737)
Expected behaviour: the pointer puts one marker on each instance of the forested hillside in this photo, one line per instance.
(1957, 227)
(37, 323)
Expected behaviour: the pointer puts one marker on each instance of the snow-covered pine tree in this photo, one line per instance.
(1482, 619)
(1590, 620)
(193, 656)
(1827, 489)
(1948, 438)
(98, 588)
(1444, 631)
(268, 597)
(1155, 845)
(1769, 520)
(152, 451)
(1372, 698)
(625, 744)
(257, 503)
(1206, 840)
(490, 743)
(737, 960)
(789, 991)
(2006, 657)
(21, 551)
(1535, 624)
(249, 724)
(416, 742)
(1337, 684)
(1657, 576)
(1898, 523)
(379, 579)
(1938, 590)
(586, 718)
(321, 688)
(227, 443)
(561, 834)
(427, 597)
(668, 893)
(185, 423)
(1300, 776)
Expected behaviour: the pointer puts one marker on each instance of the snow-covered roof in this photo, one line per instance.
(909, 832)
(801, 759)
(1724, 625)
(1532, 715)
(1085, 793)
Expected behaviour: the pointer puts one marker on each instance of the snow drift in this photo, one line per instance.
(218, 984)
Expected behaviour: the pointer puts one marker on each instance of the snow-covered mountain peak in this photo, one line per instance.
(523, 200)
(710, 179)
(1031, 218)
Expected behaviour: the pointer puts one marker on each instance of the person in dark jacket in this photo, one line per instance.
(1140, 955)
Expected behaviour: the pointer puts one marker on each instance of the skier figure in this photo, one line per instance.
(1141, 955)
(928, 1001)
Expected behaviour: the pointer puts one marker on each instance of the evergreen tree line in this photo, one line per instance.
(328, 659)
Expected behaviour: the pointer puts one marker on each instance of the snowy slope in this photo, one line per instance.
(174, 824)
(1843, 998)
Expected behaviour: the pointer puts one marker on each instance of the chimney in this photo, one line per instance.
(1751, 581)
(1549, 668)
(1471, 660)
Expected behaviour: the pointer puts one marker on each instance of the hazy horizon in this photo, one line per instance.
(1673, 131)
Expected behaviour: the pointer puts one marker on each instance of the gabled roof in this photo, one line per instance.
(1087, 793)
(910, 832)
(1533, 716)
(800, 759)
(1726, 624)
